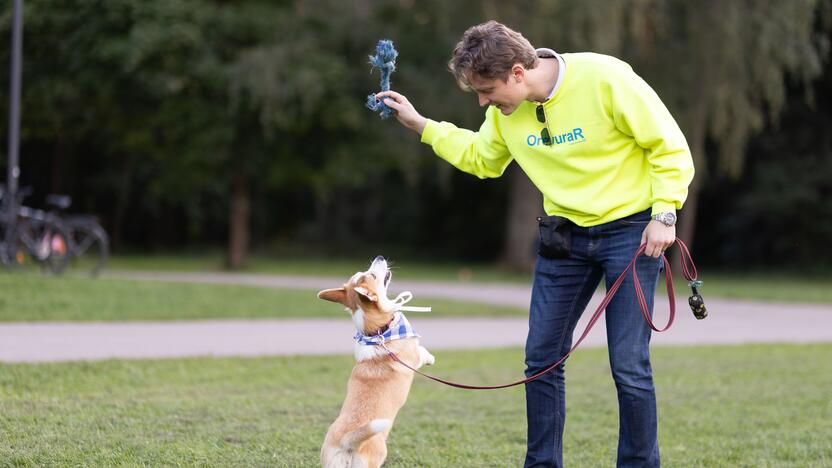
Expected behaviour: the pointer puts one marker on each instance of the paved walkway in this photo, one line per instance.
(730, 322)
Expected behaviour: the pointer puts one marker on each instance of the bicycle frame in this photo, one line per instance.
(37, 233)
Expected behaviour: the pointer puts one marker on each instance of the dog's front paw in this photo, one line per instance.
(426, 357)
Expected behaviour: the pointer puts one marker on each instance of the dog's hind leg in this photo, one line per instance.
(353, 439)
(372, 453)
(353, 452)
(335, 457)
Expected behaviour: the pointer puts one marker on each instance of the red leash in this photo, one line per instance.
(688, 270)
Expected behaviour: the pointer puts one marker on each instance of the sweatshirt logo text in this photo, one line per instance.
(574, 137)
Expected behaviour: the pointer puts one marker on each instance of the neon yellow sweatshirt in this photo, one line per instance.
(616, 151)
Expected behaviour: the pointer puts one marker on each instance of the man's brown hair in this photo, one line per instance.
(489, 50)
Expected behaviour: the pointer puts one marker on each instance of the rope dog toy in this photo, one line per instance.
(384, 60)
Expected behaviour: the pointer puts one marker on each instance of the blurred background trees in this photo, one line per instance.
(197, 123)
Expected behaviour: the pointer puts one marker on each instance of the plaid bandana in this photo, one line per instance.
(399, 328)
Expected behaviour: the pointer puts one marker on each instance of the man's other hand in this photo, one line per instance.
(658, 238)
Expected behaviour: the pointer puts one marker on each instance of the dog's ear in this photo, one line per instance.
(365, 294)
(338, 295)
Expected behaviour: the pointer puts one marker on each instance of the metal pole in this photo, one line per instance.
(14, 106)
(10, 197)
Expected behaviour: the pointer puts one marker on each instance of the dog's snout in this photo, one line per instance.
(378, 258)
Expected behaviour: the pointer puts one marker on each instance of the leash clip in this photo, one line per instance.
(695, 301)
(384, 346)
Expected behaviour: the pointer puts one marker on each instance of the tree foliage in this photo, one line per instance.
(165, 115)
(778, 214)
(731, 63)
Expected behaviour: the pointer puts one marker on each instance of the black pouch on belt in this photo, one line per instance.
(555, 236)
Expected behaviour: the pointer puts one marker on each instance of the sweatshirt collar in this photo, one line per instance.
(544, 52)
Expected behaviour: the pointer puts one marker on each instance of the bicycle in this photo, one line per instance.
(89, 244)
(31, 234)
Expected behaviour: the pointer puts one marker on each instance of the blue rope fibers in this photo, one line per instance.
(384, 60)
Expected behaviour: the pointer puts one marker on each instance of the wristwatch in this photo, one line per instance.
(667, 218)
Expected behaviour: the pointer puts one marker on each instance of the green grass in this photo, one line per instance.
(749, 406)
(765, 286)
(41, 298)
(761, 285)
(321, 266)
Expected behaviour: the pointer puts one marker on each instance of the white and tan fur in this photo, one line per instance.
(378, 386)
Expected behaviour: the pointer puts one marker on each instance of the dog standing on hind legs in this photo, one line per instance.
(378, 386)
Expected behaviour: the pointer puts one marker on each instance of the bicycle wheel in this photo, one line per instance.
(40, 241)
(89, 245)
(59, 253)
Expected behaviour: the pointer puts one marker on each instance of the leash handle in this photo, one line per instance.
(688, 271)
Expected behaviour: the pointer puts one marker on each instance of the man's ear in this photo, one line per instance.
(365, 294)
(338, 295)
(517, 72)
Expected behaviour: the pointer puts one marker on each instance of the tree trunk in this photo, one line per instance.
(122, 202)
(687, 217)
(524, 205)
(238, 232)
(58, 157)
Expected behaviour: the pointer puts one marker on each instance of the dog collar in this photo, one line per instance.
(398, 329)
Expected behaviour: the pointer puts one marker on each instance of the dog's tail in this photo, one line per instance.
(353, 439)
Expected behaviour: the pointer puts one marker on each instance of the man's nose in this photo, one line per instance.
(483, 100)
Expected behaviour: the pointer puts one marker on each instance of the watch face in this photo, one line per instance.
(666, 218)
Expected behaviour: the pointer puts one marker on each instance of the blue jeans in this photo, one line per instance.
(562, 288)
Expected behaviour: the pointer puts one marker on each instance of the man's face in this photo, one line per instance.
(504, 95)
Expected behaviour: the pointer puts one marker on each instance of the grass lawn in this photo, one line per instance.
(754, 406)
(36, 297)
(415, 269)
(41, 298)
(784, 286)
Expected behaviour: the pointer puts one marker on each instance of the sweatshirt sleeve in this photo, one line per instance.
(483, 153)
(637, 111)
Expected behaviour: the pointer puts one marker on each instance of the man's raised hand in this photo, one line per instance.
(406, 114)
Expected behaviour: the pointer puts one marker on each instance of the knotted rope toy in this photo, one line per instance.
(384, 60)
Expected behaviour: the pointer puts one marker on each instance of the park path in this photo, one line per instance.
(729, 322)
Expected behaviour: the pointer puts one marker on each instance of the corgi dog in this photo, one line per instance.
(378, 386)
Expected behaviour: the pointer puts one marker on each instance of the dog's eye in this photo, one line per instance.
(387, 277)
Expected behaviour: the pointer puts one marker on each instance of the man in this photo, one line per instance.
(608, 156)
